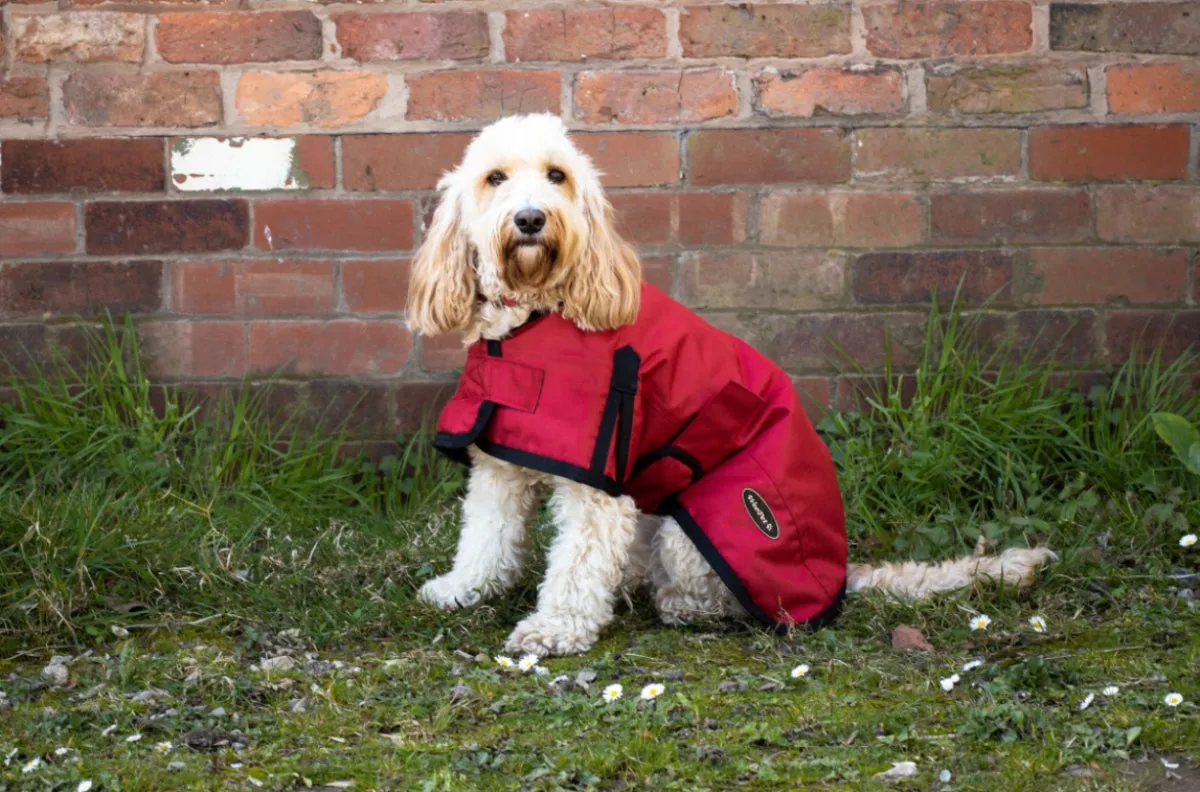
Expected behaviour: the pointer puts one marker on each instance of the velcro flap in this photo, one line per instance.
(501, 381)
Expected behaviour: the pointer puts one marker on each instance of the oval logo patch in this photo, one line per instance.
(760, 513)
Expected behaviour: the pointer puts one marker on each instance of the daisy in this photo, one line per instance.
(949, 682)
(1087, 701)
(164, 746)
(527, 662)
(613, 692)
(799, 671)
(504, 662)
(31, 765)
(84, 786)
(1187, 541)
(980, 622)
(1038, 623)
(972, 665)
(652, 691)
(1173, 699)
(133, 738)
(61, 751)
(1111, 691)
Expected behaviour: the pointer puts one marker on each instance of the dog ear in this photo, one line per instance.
(604, 288)
(441, 290)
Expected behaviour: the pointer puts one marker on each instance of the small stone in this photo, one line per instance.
(898, 770)
(456, 670)
(1185, 594)
(281, 663)
(496, 708)
(175, 767)
(218, 712)
(460, 692)
(674, 675)
(909, 639)
(730, 686)
(56, 674)
(584, 678)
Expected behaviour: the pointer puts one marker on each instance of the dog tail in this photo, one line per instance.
(1015, 568)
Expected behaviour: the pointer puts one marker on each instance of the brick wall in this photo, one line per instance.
(251, 177)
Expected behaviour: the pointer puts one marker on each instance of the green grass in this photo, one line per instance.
(170, 547)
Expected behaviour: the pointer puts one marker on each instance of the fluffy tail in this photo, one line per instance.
(1016, 568)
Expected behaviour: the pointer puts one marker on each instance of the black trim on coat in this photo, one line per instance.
(672, 452)
(618, 413)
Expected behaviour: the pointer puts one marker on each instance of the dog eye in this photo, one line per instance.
(496, 178)
(556, 176)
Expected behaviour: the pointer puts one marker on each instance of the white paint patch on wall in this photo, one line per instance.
(212, 164)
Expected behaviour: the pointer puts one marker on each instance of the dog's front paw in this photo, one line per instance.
(448, 593)
(551, 635)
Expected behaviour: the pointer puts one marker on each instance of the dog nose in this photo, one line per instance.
(530, 221)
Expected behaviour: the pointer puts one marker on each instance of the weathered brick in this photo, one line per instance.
(155, 5)
(324, 99)
(1097, 275)
(481, 95)
(333, 225)
(659, 271)
(1126, 27)
(1139, 334)
(922, 154)
(653, 97)
(816, 342)
(238, 37)
(148, 227)
(972, 276)
(176, 99)
(193, 349)
(24, 98)
(400, 162)
(1006, 89)
(825, 91)
(938, 29)
(1043, 336)
(1098, 153)
(771, 156)
(418, 404)
(86, 288)
(659, 218)
(26, 349)
(764, 31)
(36, 229)
(840, 219)
(574, 34)
(1144, 214)
(416, 36)
(215, 164)
(348, 347)
(856, 393)
(444, 352)
(1154, 88)
(633, 159)
(1010, 216)
(79, 36)
(789, 280)
(92, 165)
(814, 396)
(268, 286)
(375, 286)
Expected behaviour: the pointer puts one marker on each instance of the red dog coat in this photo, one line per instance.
(687, 420)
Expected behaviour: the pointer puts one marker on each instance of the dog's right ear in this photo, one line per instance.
(441, 290)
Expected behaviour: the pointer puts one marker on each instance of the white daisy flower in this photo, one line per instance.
(164, 746)
(971, 666)
(1038, 623)
(1188, 540)
(1173, 699)
(61, 751)
(31, 765)
(653, 691)
(133, 738)
(944, 776)
(504, 662)
(949, 682)
(84, 785)
(527, 662)
(980, 622)
(613, 692)
(1087, 701)
(1111, 691)
(799, 671)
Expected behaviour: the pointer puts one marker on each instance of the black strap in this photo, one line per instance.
(618, 413)
(493, 347)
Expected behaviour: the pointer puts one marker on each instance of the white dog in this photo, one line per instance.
(523, 226)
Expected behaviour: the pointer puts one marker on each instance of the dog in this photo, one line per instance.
(522, 258)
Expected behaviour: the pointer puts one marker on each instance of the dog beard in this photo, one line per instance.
(528, 264)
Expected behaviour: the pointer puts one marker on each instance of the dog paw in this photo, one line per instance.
(548, 635)
(448, 593)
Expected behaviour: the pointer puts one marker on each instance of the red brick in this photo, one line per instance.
(174, 99)
(269, 286)
(444, 352)
(324, 99)
(825, 91)
(375, 286)
(1010, 216)
(655, 97)
(194, 349)
(400, 162)
(24, 98)
(1097, 153)
(814, 396)
(1064, 337)
(840, 219)
(659, 271)
(1093, 276)
(1144, 214)
(972, 89)
(921, 154)
(1126, 27)
(817, 342)
(764, 31)
(481, 95)
(347, 347)
(418, 404)
(91, 165)
(43, 289)
(1154, 88)
(575, 34)
(115, 228)
(633, 159)
(861, 394)
(333, 225)
(419, 36)
(78, 36)
(315, 162)
(972, 276)
(25, 349)
(791, 280)
(238, 37)
(36, 229)
(769, 156)
(151, 5)
(939, 29)
(659, 218)
(1140, 333)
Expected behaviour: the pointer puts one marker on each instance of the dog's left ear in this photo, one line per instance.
(604, 288)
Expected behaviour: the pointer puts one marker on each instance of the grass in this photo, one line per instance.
(167, 550)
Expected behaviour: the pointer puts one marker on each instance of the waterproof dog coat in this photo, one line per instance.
(687, 420)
